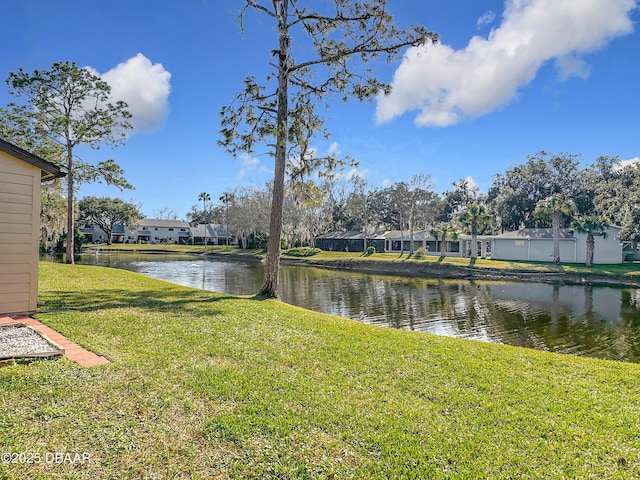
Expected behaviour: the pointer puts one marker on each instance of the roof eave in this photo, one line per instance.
(49, 170)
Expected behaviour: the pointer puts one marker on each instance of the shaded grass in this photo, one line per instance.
(210, 386)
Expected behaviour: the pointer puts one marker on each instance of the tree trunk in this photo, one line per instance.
(401, 236)
(365, 225)
(70, 251)
(555, 224)
(474, 246)
(272, 262)
(590, 250)
(443, 246)
(411, 239)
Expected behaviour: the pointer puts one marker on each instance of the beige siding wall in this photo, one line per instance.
(19, 235)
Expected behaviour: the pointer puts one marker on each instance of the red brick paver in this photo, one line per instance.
(72, 351)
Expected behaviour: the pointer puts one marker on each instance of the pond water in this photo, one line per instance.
(578, 320)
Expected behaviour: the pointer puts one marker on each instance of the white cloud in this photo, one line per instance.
(333, 148)
(449, 85)
(356, 173)
(486, 18)
(145, 87)
(471, 183)
(572, 66)
(251, 165)
(627, 163)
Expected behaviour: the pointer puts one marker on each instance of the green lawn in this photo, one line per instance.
(147, 247)
(211, 386)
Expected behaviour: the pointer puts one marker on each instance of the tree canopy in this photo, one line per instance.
(281, 111)
(71, 106)
(106, 212)
(515, 194)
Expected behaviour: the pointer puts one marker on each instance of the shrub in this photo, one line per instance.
(258, 241)
(369, 251)
(420, 253)
(301, 252)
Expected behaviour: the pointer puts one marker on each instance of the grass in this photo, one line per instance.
(204, 386)
(301, 252)
(147, 247)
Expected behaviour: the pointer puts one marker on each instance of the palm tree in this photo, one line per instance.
(226, 198)
(475, 218)
(205, 197)
(443, 232)
(554, 207)
(591, 226)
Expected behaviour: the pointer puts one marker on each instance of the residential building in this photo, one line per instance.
(351, 241)
(154, 231)
(536, 244)
(215, 234)
(161, 231)
(21, 175)
(397, 241)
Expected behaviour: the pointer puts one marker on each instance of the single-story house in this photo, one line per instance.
(397, 241)
(536, 244)
(21, 175)
(532, 244)
(351, 241)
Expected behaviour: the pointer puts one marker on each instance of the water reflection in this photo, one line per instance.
(578, 320)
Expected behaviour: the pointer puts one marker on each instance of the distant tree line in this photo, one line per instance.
(546, 190)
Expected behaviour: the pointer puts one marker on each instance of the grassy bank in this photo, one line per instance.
(210, 386)
(626, 273)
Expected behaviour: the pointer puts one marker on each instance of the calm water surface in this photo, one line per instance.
(579, 320)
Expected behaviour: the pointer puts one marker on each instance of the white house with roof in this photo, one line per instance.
(397, 241)
(214, 233)
(154, 231)
(533, 244)
(536, 244)
(148, 231)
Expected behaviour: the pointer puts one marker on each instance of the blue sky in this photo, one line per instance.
(509, 78)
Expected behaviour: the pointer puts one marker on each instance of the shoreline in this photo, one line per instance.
(432, 269)
(414, 268)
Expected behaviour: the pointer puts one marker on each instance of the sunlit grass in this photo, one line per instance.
(148, 247)
(203, 385)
